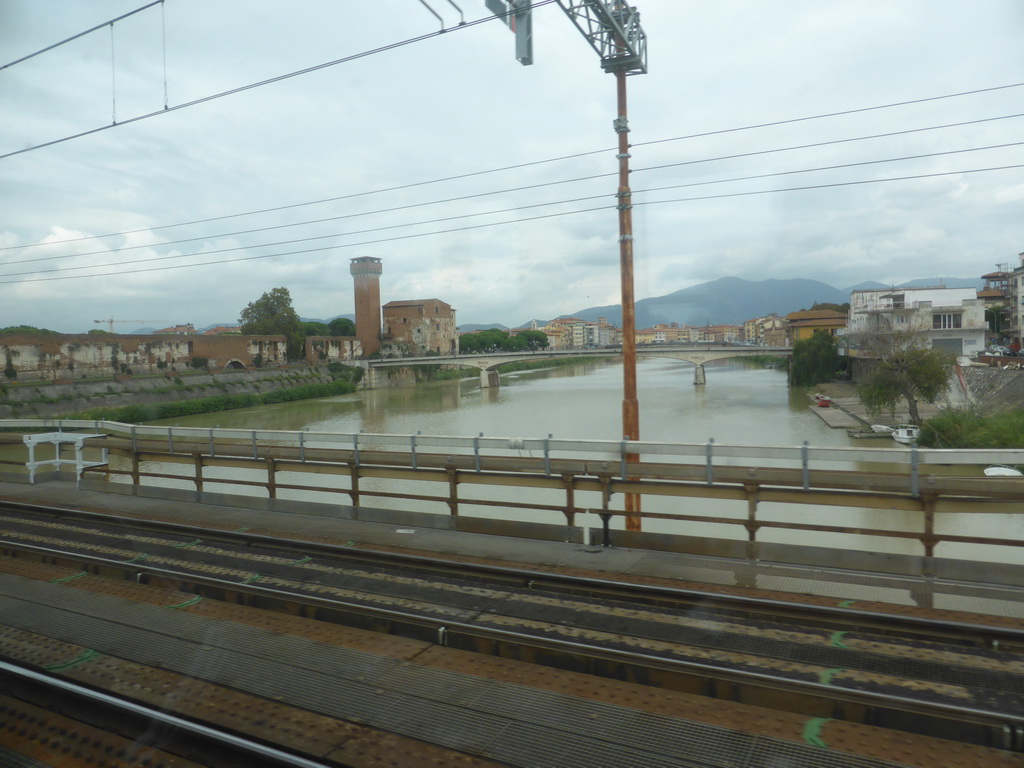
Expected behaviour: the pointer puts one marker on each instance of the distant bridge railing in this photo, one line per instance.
(278, 469)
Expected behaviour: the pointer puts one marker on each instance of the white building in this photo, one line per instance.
(952, 319)
(1016, 291)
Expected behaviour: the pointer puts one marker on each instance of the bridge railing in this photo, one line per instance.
(551, 487)
(709, 454)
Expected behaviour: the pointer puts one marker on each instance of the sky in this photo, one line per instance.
(482, 182)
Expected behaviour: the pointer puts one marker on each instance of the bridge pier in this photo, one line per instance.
(489, 379)
(698, 375)
(372, 377)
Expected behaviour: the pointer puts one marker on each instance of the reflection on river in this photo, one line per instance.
(740, 404)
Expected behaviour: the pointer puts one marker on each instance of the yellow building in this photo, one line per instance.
(804, 324)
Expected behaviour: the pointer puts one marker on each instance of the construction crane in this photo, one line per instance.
(110, 322)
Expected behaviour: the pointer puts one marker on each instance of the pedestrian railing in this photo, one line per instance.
(588, 477)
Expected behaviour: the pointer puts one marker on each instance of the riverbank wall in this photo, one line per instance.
(39, 400)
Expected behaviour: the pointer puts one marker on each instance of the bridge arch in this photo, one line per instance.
(698, 357)
(488, 362)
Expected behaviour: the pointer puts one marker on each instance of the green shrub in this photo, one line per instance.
(966, 429)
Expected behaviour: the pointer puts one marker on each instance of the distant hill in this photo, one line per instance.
(867, 285)
(923, 282)
(945, 282)
(470, 327)
(728, 300)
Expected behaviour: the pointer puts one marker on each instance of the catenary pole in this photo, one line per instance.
(612, 28)
(630, 403)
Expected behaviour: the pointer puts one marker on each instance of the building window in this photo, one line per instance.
(946, 321)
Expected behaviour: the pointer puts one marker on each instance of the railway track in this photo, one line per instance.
(923, 675)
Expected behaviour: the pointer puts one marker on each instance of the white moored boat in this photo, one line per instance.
(906, 434)
(881, 429)
(998, 470)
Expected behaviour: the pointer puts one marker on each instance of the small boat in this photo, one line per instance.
(882, 429)
(1001, 470)
(822, 401)
(906, 433)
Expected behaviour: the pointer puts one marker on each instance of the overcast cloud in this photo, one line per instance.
(458, 105)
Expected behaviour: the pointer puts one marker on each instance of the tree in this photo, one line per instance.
(844, 307)
(534, 339)
(272, 314)
(314, 328)
(997, 316)
(815, 360)
(904, 368)
(342, 326)
(27, 329)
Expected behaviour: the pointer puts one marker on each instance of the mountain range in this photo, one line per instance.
(732, 300)
(725, 301)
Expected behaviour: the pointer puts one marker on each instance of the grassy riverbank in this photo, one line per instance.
(966, 429)
(137, 414)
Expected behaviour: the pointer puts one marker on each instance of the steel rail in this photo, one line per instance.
(245, 748)
(1004, 729)
(849, 618)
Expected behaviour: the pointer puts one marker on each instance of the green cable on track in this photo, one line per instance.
(85, 656)
(825, 678)
(300, 561)
(836, 640)
(138, 559)
(66, 579)
(253, 578)
(191, 601)
(813, 729)
(847, 603)
(187, 544)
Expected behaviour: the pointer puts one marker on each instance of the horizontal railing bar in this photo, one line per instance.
(608, 448)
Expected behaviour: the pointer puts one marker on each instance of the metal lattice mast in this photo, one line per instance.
(613, 30)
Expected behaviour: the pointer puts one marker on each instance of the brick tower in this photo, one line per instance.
(366, 271)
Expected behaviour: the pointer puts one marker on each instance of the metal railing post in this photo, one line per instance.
(915, 480)
(708, 447)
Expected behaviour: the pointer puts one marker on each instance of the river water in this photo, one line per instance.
(741, 403)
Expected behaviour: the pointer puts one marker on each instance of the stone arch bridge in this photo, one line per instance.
(487, 363)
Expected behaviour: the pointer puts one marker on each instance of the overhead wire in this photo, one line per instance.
(261, 83)
(834, 185)
(67, 40)
(476, 196)
(518, 220)
(490, 171)
(519, 166)
(469, 197)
